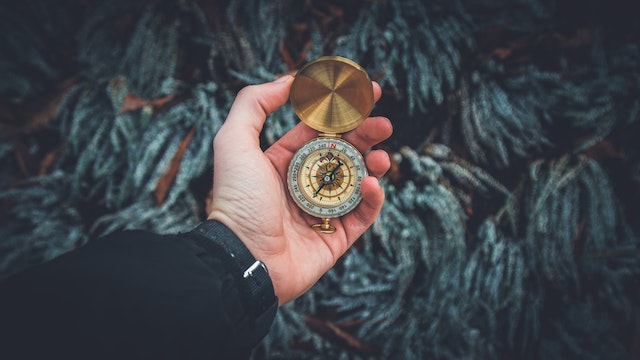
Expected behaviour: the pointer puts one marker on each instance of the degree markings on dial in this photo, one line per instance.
(326, 173)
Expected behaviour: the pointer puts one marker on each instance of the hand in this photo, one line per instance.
(250, 193)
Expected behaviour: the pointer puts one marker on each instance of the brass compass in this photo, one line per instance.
(332, 95)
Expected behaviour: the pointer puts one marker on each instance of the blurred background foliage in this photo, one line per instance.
(510, 228)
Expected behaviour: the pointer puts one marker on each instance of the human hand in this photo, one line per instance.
(251, 198)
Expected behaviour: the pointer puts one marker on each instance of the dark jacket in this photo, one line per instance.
(132, 294)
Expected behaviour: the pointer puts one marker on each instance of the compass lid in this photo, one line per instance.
(332, 94)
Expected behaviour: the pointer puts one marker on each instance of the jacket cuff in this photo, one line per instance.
(251, 275)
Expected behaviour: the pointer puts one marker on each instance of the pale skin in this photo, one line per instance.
(250, 193)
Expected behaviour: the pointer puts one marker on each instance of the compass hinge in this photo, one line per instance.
(330, 135)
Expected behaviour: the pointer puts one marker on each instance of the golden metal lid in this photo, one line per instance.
(332, 94)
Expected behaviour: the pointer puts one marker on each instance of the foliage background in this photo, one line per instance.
(510, 228)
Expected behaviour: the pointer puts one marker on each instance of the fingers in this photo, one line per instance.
(378, 163)
(372, 131)
(357, 221)
(250, 109)
(377, 91)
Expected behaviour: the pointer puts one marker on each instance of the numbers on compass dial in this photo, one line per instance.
(324, 177)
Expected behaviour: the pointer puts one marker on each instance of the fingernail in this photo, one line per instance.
(283, 78)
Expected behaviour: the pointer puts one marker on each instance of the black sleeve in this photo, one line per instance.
(138, 295)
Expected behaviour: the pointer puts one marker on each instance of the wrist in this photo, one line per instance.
(241, 228)
(250, 274)
(269, 246)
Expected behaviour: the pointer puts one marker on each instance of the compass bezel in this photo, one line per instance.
(295, 168)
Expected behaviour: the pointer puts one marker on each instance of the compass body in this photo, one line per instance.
(324, 177)
(331, 95)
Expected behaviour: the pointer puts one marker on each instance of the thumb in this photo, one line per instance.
(252, 106)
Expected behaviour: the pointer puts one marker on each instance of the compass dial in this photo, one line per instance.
(324, 177)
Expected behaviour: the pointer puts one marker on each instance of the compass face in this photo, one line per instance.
(324, 177)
